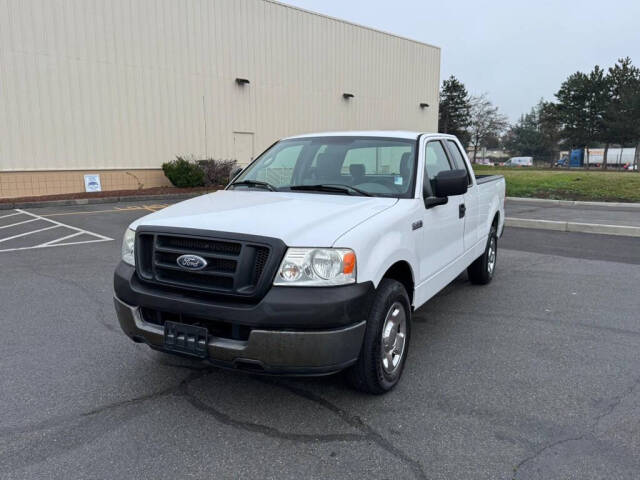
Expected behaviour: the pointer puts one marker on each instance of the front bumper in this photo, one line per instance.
(291, 308)
(292, 352)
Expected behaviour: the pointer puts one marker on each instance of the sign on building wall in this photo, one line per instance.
(92, 183)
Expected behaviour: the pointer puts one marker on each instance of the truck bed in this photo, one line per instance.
(487, 178)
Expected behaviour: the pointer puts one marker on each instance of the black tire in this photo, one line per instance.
(372, 373)
(481, 271)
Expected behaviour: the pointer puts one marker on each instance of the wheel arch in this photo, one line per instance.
(402, 272)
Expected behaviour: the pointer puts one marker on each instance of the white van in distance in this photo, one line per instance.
(519, 162)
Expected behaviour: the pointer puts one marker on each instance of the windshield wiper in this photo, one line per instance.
(331, 187)
(255, 183)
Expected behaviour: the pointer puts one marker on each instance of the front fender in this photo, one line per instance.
(391, 249)
(384, 240)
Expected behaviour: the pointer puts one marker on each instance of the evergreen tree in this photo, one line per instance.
(536, 134)
(455, 109)
(622, 116)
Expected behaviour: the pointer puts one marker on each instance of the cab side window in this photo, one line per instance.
(436, 161)
(457, 157)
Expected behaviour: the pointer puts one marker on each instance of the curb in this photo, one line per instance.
(620, 230)
(573, 203)
(98, 200)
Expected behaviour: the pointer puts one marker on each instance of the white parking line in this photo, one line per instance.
(65, 225)
(20, 223)
(50, 246)
(60, 239)
(28, 233)
(58, 242)
(10, 215)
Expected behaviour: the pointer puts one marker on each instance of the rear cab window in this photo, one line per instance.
(458, 159)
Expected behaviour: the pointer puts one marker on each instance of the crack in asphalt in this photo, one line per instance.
(539, 452)
(614, 403)
(51, 438)
(90, 293)
(356, 422)
(63, 420)
(33, 450)
(272, 432)
(367, 433)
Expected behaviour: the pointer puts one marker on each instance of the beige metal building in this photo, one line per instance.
(117, 87)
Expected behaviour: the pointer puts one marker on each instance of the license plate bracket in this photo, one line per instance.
(187, 339)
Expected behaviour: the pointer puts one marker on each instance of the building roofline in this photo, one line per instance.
(359, 25)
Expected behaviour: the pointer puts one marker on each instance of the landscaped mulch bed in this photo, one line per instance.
(111, 193)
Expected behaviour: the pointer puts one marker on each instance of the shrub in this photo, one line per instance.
(216, 172)
(184, 173)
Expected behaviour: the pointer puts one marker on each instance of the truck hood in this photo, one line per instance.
(298, 219)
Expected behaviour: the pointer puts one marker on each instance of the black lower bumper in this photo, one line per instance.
(310, 352)
(299, 331)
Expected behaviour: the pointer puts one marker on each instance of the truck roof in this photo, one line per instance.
(367, 133)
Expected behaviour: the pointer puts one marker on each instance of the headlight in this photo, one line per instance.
(316, 267)
(128, 244)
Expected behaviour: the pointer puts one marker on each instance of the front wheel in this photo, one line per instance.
(386, 340)
(481, 271)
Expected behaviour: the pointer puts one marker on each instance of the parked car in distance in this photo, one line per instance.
(314, 257)
(519, 162)
(484, 161)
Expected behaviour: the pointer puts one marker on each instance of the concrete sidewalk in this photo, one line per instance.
(586, 217)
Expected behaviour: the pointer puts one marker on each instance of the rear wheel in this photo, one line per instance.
(481, 271)
(386, 340)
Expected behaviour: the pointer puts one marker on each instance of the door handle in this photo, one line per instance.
(462, 209)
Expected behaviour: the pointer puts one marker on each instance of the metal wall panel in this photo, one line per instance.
(103, 84)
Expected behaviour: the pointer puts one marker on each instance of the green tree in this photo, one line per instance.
(622, 116)
(454, 116)
(524, 138)
(582, 103)
(536, 134)
(572, 106)
(550, 126)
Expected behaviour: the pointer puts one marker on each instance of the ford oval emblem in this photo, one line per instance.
(191, 262)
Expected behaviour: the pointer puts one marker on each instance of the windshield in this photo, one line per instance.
(378, 167)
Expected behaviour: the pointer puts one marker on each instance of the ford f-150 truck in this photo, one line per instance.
(314, 257)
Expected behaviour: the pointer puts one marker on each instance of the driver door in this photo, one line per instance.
(443, 240)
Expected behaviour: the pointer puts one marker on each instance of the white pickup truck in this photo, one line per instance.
(314, 257)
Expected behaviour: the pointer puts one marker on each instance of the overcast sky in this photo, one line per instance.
(516, 51)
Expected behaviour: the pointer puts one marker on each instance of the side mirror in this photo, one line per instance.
(446, 184)
(450, 183)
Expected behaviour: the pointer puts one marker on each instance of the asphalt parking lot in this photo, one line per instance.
(535, 376)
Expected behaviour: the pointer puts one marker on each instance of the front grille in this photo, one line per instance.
(236, 268)
(197, 244)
